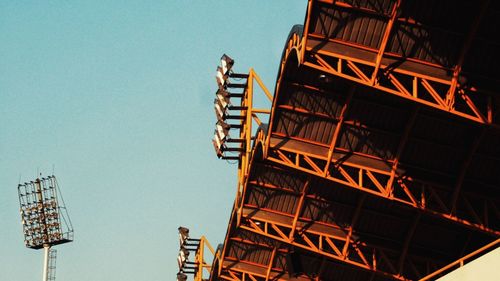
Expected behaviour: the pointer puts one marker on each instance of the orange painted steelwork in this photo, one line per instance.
(413, 192)
(460, 262)
(367, 72)
(368, 175)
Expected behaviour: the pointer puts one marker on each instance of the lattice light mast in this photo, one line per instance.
(44, 217)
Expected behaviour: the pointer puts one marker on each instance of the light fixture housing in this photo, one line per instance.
(220, 111)
(181, 276)
(223, 98)
(221, 78)
(44, 217)
(218, 149)
(182, 258)
(226, 64)
(183, 235)
(222, 130)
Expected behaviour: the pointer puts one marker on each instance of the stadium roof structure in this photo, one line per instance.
(381, 157)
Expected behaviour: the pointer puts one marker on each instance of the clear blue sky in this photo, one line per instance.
(118, 96)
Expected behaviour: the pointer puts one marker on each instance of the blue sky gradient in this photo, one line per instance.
(117, 96)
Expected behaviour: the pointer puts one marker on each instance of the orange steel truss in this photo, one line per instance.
(334, 242)
(201, 260)
(248, 126)
(230, 268)
(419, 83)
(443, 93)
(460, 262)
(384, 184)
(376, 179)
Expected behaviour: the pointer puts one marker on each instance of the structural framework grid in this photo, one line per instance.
(381, 157)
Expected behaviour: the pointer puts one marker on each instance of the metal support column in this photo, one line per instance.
(46, 250)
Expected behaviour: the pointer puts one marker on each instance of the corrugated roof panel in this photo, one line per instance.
(438, 144)
(426, 44)
(256, 238)
(346, 25)
(485, 169)
(326, 202)
(438, 241)
(372, 225)
(281, 178)
(293, 124)
(326, 212)
(482, 60)
(432, 31)
(482, 57)
(312, 100)
(247, 252)
(325, 190)
(490, 143)
(432, 158)
(388, 207)
(450, 15)
(336, 271)
(440, 130)
(378, 115)
(271, 199)
(358, 139)
(490, 192)
(379, 6)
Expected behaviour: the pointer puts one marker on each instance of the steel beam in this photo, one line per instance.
(413, 193)
(323, 244)
(318, 59)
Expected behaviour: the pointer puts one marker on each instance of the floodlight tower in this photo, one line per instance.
(229, 116)
(44, 218)
(197, 246)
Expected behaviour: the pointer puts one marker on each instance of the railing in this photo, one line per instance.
(460, 262)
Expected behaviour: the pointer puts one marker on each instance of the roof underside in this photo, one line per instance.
(361, 182)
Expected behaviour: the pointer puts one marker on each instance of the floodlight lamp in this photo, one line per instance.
(222, 131)
(219, 111)
(182, 258)
(218, 149)
(223, 99)
(224, 93)
(181, 276)
(226, 63)
(219, 140)
(183, 235)
(221, 78)
(224, 125)
(184, 254)
(41, 213)
(180, 264)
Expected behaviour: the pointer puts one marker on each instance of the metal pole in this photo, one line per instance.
(46, 250)
(199, 276)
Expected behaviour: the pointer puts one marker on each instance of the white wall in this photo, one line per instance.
(484, 268)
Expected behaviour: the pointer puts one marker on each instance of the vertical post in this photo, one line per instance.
(200, 254)
(247, 134)
(46, 250)
(38, 191)
(41, 211)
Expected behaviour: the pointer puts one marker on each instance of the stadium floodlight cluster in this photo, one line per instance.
(43, 214)
(225, 111)
(187, 245)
